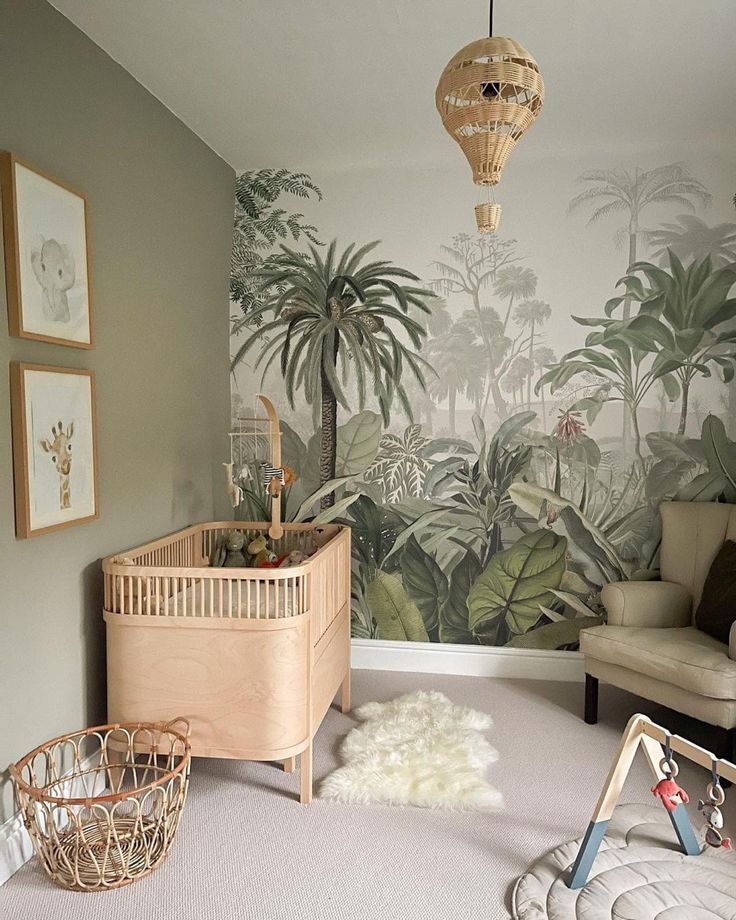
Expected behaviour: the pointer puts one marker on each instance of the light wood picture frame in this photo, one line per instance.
(47, 258)
(54, 447)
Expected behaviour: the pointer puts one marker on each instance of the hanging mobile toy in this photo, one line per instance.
(233, 489)
(244, 461)
(667, 790)
(273, 478)
(712, 812)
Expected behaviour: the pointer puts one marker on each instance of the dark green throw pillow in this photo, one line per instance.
(717, 609)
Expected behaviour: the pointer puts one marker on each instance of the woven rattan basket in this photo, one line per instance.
(102, 805)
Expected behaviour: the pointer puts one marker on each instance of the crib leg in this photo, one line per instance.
(345, 693)
(290, 765)
(305, 768)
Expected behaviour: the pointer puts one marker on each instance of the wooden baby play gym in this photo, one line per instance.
(252, 657)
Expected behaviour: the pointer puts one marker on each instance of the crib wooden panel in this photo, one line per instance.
(255, 714)
(274, 652)
(332, 662)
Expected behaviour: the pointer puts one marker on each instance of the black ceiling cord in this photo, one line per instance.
(490, 91)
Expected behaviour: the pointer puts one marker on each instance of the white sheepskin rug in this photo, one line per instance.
(419, 749)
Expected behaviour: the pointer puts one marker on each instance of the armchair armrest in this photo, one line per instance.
(648, 603)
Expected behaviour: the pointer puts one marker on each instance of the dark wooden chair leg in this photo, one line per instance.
(728, 750)
(591, 699)
(731, 745)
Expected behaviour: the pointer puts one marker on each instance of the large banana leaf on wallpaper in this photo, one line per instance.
(492, 487)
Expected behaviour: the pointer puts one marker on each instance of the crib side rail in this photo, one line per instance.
(329, 583)
(202, 592)
(173, 577)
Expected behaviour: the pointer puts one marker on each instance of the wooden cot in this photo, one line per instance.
(252, 657)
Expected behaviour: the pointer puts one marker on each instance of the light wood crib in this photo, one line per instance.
(252, 657)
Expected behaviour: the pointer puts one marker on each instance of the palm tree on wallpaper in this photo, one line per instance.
(455, 358)
(691, 239)
(259, 225)
(335, 319)
(474, 266)
(515, 282)
(518, 375)
(436, 323)
(543, 356)
(530, 314)
(620, 191)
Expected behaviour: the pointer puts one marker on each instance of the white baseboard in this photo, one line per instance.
(15, 847)
(15, 844)
(467, 660)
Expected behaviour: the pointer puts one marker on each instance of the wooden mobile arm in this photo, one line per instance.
(641, 731)
(275, 531)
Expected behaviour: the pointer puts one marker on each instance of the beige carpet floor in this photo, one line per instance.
(247, 850)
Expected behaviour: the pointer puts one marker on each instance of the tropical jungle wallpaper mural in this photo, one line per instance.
(494, 481)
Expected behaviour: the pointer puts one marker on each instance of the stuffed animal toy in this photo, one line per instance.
(670, 794)
(295, 557)
(321, 535)
(260, 555)
(273, 562)
(234, 491)
(234, 558)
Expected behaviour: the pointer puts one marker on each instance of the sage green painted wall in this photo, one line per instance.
(161, 226)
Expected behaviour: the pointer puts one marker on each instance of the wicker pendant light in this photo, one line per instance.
(488, 97)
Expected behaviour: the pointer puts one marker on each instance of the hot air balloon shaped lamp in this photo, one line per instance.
(488, 97)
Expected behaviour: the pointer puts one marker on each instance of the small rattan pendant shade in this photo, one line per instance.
(488, 97)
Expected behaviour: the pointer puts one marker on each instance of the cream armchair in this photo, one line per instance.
(649, 645)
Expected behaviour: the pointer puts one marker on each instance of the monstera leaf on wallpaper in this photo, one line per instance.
(357, 447)
(720, 455)
(506, 596)
(397, 616)
(677, 458)
(454, 614)
(293, 449)
(562, 634)
(357, 443)
(590, 540)
(426, 584)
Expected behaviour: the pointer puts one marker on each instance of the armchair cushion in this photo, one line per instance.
(684, 657)
(647, 604)
(717, 609)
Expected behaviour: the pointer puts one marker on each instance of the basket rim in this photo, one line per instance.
(35, 793)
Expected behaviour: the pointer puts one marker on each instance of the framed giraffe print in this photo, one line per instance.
(47, 273)
(54, 447)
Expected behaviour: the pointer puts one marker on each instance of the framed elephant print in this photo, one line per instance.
(54, 447)
(46, 256)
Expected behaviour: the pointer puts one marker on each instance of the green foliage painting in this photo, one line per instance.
(493, 480)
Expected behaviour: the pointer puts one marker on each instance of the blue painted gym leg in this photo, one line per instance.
(587, 853)
(684, 830)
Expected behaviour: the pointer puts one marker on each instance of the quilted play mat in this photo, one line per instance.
(639, 873)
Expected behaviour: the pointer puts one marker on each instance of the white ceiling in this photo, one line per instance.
(338, 84)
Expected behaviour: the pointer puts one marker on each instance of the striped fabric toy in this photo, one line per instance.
(269, 472)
